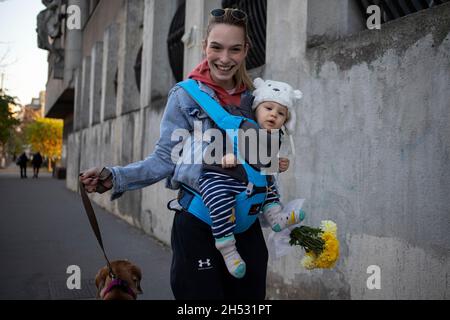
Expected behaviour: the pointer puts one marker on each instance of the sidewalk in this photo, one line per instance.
(44, 230)
(13, 171)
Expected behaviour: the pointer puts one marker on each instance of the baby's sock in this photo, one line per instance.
(227, 247)
(289, 218)
(280, 219)
(271, 212)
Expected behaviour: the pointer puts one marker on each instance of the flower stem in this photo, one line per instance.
(308, 238)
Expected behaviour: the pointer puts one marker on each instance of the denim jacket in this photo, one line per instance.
(180, 113)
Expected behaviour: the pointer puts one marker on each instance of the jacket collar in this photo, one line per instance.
(203, 87)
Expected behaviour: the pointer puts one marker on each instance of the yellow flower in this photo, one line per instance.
(330, 254)
(308, 261)
(329, 226)
(323, 256)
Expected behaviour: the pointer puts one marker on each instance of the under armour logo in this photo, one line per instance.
(204, 264)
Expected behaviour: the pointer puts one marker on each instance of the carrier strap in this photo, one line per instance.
(212, 108)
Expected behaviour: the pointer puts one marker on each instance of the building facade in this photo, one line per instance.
(373, 134)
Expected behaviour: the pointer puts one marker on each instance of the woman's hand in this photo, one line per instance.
(229, 161)
(96, 180)
(283, 164)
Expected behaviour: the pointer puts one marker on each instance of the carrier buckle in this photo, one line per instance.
(249, 188)
(174, 205)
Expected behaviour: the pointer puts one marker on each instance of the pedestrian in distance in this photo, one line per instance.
(36, 162)
(22, 162)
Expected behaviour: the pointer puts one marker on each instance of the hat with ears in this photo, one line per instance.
(279, 92)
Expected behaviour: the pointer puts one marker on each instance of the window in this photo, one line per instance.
(393, 9)
(174, 44)
(257, 16)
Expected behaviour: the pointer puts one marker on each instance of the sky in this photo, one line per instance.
(22, 62)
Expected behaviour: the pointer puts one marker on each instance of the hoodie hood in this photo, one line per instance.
(202, 73)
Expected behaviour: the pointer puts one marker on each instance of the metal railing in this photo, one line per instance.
(175, 46)
(393, 9)
(257, 17)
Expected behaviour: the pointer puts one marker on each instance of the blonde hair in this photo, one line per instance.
(241, 76)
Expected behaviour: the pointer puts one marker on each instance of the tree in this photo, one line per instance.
(45, 135)
(16, 142)
(7, 121)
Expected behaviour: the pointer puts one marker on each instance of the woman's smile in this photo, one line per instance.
(223, 68)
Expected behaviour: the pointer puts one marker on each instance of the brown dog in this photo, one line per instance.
(126, 285)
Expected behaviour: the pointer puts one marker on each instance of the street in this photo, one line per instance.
(44, 230)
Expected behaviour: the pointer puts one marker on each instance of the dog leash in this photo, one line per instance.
(94, 224)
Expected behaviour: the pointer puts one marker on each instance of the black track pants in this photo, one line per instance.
(198, 270)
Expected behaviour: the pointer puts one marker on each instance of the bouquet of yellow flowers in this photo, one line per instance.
(321, 244)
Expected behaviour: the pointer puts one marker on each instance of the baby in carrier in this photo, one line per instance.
(273, 108)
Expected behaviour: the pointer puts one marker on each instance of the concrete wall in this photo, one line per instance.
(104, 14)
(108, 103)
(330, 20)
(372, 142)
(122, 127)
(156, 82)
(195, 30)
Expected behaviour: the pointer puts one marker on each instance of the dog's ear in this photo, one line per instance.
(100, 280)
(137, 276)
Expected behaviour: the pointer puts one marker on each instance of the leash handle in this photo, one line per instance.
(94, 224)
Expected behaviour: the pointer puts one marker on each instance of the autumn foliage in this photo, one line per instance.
(46, 136)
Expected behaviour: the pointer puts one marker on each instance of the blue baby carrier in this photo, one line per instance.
(248, 202)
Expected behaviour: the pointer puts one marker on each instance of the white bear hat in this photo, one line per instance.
(279, 92)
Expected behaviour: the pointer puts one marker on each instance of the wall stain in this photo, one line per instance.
(369, 45)
(329, 285)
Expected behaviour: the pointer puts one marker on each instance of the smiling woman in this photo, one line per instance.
(199, 270)
(226, 46)
(225, 55)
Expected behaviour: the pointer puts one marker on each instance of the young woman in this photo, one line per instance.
(198, 270)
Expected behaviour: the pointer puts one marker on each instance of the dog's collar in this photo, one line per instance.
(122, 285)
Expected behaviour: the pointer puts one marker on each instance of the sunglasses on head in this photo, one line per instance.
(235, 13)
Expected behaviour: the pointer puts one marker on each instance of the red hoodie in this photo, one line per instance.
(202, 74)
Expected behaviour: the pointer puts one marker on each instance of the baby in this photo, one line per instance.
(273, 108)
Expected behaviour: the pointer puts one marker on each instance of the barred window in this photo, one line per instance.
(175, 46)
(393, 9)
(257, 17)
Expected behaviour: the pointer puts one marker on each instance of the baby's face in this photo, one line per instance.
(271, 115)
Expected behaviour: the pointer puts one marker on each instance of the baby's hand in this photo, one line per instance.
(283, 164)
(229, 161)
